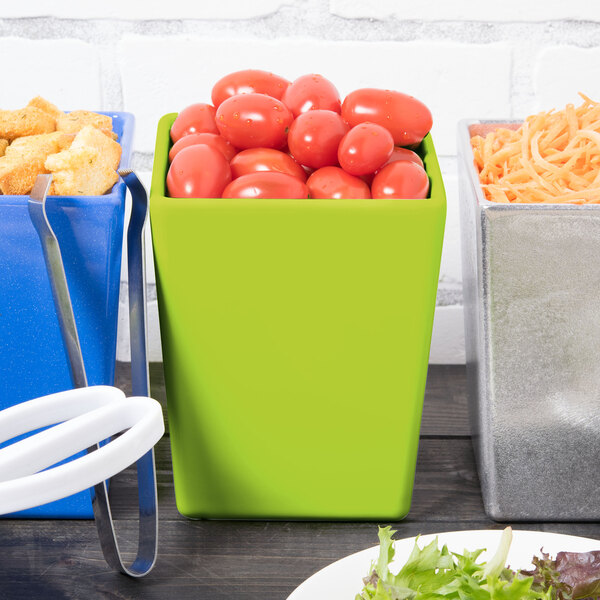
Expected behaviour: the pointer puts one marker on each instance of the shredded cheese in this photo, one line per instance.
(554, 157)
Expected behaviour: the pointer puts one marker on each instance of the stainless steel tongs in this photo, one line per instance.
(148, 516)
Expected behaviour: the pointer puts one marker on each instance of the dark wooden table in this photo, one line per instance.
(249, 559)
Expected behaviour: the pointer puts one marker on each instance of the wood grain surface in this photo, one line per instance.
(249, 560)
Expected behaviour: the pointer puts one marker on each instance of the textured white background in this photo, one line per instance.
(466, 58)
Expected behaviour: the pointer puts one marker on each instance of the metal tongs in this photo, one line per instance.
(89, 412)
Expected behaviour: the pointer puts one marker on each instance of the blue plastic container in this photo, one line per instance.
(33, 361)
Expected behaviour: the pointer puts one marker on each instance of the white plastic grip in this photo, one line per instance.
(86, 416)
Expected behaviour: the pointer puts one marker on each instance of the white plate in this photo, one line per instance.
(342, 580)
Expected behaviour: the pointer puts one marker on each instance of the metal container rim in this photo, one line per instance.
(465, 153)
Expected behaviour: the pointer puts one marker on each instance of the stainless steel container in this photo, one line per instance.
(531, 280)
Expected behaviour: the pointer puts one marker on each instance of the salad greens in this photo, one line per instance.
(431, 573)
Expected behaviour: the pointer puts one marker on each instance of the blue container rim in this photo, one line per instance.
(126, 123)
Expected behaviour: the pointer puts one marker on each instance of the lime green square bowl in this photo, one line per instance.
(295, 338)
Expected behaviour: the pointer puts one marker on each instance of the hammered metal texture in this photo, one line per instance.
(532, 323)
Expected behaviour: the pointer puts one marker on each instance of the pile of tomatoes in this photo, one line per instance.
(266, 137)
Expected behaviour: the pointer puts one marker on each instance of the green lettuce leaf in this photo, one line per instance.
(433, 573)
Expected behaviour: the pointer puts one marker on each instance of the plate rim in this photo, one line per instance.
(297, 593)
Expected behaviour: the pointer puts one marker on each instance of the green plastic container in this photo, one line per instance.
(295, 338)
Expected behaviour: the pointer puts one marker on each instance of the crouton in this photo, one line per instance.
(109, 149)
(78, 148)
(80, 172)
(88, 167)
(46, 106)
(17, 176)
(39, 145)
(25, 121)
(75, 121)
(65, 140)
(24, 160)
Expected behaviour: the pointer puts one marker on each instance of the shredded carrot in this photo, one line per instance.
(554, 157)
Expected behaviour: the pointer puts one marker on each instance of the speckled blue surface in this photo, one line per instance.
(32, 356)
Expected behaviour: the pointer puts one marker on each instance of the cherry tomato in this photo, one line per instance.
(210, 139)
(401, 179)
(198, 171)
(333, 182)
(312, 92)
(248, 82)
(365, 148)
(405, 117)
(314, 138)
(404, 154)
(254, 121)
(196, 118)
(266, 184)
(265, 159)
(398, 154)
(308, 170)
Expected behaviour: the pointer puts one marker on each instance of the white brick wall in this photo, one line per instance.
(562, 71)
(67, 70)
(468, 10)
(465, 58)
(147, 10)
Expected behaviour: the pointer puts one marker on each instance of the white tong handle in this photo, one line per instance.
(86, 416)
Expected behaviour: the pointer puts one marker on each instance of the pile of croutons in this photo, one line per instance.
(79, 149)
